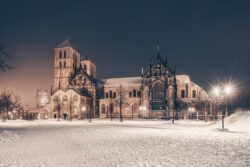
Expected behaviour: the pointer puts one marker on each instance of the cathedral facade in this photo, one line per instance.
(77, 94)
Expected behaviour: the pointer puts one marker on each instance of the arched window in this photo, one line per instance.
(64, 64)
(138, 94)
(55, 98)
(158, 97)
(65, 98)
(75, 98)
(134, 93)
(65, 55)
(194, 93)
(114, 94)
(182, 93)
(107, 95)
(110, 94)
(103, 108)
(60, 54)
(130, 94)
(60, 64)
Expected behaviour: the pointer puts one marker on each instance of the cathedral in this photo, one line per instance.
(78, 94)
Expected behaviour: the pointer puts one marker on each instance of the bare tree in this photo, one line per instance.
(3, 58)
(121, 93)
(8, 102)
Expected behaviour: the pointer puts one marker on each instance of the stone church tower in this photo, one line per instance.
(73, 95)
(66, 60)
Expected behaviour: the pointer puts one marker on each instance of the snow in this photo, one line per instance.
(130, 143)
(182, 79)
(136, 81)
(237, 122)
(125, 82)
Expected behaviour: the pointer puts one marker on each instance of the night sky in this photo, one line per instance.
(208, 40)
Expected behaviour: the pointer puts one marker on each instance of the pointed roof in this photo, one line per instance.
(65, 44)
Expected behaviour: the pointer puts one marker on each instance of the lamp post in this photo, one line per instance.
(120, 103)
(227, 91)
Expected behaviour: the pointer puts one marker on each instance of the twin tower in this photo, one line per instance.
(67, 62)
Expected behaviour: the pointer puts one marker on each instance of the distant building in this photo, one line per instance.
(42, 97)
(77, 94)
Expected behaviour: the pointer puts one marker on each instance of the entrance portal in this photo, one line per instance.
(64, 116)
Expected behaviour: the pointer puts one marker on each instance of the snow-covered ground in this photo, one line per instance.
(130, 143)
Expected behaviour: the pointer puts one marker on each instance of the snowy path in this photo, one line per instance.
(131, 143)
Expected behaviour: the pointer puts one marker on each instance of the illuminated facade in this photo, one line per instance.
(77, 94)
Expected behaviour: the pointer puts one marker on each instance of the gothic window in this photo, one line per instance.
(194, 94)
(65, 54)
(107, 95)
(130, 94)
(134, 93)
(75, 98)
(114, 94)
(182, 93)
(64, 64)
(110, 94)
(60, 64)
(65, 98)
(158, 97)
(103, 108)
(55, 99)
(138, 94)
(60, 54)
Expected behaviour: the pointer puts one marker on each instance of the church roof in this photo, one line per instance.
(136, 81)
(65, 44)
(125, 82)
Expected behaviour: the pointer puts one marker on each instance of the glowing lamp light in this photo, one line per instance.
(83, 108)
(216, 91)
(143, 108)
(228, 89)
(191, 109)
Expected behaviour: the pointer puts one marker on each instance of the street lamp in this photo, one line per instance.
(216, 91)
(224, 92)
